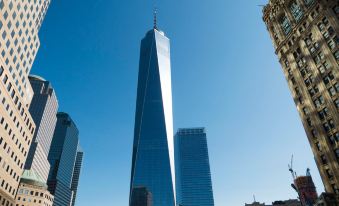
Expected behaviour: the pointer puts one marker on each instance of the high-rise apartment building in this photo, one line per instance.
(193, 175)
(19, 42)
(305, 34)
(153, 155)
(76, 174)
(43, 109)
(62, 157)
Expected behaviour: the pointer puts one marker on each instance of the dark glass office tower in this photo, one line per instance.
(62, 157)
(76, 174)
(43, 108)
(193, 176)
(153, 155)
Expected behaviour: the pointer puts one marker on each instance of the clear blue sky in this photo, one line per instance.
(225, 76)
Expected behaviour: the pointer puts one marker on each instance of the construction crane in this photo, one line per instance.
(290, 168)
(294, 176)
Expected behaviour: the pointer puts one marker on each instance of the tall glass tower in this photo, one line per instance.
(62, 157)
(153, 155)
(43, 109)
(193, 176)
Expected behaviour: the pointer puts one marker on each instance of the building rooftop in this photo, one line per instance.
(36, 77)
(32, 178)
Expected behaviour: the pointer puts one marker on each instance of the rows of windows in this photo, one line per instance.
(318, 100)
(33, 196)
(3, 200)
(19, 39)
(320, 120)
(16, 102)
(297, 13)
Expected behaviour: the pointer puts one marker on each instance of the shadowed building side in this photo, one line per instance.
(43, 109)
(305, 34)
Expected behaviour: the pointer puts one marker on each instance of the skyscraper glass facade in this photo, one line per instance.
(43, 109)
(76, 174)
(153, 155)
(62, 157)
(193, 176)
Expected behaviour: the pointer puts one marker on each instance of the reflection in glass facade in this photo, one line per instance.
(153, 155)
(62, 158)
(193, 176)
(43, 108)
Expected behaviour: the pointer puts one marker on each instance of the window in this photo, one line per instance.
(332, 140)
(309, 2)
(321, 26)
(286, 25)
(5, 79)
(335, 189)
(336, 102)
(331, 44)
(337, 153)
(1, 71)
(296, 11)
(323, 159)
(306, 111)
(328, 78)
(336, 55)
(332, 91)
(323, 113)
(329, 173)
(319, 101)
(336, 9)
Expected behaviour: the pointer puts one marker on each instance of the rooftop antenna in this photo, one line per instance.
(155, 12)
(254, 199)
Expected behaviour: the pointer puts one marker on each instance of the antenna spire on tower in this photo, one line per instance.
(155, 17)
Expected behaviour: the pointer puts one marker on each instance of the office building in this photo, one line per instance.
(43, 109)
(193, 175)
(76, 174)
(305, 35)
(33, 191)
(153, 155)
(19, 43)
(62, 158)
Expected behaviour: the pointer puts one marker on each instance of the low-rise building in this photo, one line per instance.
(327, 199)
(33, 191)
(277, 203)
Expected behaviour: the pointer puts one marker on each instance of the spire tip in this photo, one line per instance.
(155, 18)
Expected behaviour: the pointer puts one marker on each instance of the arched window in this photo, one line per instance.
(309, 2)
(285, 25)
(296, 11)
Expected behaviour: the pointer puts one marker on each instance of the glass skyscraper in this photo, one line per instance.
(153, 171)
(76, 174)
(193, 176)
(62, 157)
(43, 109)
